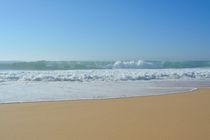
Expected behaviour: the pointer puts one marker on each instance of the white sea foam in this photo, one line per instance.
(30, 86)
(133, 64)
(105, 75)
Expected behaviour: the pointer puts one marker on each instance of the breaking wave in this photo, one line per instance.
(86, 65)
(133, 64)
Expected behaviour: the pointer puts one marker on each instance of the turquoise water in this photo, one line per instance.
(71, 65)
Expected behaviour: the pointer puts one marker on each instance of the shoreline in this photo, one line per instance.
(66, 100)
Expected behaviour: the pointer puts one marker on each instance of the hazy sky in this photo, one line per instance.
(104, 29)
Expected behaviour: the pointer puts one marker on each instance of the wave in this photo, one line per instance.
(133, 64)
(72, 65)
(105, 75)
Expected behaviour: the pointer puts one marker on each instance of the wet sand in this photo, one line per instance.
(184, 116)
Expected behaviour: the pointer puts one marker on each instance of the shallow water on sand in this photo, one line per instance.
(23, 91)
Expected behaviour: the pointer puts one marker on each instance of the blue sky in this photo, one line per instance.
(104, 30)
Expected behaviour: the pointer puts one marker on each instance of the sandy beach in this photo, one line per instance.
(183, 116)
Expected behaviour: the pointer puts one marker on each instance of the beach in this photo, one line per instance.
(181, 116)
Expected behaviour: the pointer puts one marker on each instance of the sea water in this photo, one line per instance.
(79, 80)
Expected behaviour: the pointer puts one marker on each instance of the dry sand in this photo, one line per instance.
(166, 117)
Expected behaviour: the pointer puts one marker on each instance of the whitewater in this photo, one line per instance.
(114, 80)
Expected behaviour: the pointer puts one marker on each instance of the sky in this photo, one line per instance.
(33, 30)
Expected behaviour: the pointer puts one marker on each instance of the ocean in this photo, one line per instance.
(75, 80)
